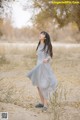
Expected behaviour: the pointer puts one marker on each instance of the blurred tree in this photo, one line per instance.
(1, 24)
(5, 8)
(62, 13)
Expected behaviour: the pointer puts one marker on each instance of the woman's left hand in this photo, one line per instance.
(45, 60)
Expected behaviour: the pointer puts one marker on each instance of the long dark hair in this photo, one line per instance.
(47, 42)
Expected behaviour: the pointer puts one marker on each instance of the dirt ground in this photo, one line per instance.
(18, 96)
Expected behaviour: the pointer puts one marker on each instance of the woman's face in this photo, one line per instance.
(42, 36)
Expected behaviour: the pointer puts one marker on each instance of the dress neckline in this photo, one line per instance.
(41, 44)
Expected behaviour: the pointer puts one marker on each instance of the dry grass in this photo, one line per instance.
(16, 88)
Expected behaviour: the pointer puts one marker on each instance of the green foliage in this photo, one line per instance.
(63, 13)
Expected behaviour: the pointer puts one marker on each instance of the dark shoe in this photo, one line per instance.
(39, 105)
(44, 109)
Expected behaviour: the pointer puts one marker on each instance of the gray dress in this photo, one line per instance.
(42, 74)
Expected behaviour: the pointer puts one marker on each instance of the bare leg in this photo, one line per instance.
(41, 97)
(45, 102)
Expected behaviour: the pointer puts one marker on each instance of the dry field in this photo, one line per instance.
(17, 95)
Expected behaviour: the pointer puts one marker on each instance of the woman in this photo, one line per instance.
(42, 74)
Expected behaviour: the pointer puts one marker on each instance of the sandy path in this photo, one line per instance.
(18, 113)
(18, 98)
